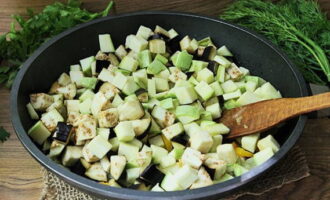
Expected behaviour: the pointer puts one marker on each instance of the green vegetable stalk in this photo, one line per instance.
(297, 26)
(17, 45)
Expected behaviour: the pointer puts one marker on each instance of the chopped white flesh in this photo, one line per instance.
(33, 114)
(64, 79)
(108, 118)
(135, 110)
(108, 90)
(249, 142)
(98, 146)
(96, 172)
(99, 100)
(203, 180)
(140, 126)
(117, 166)
(227, 153)
(144, 32)
(69, 91)
(41, 101)
(105, 163)
(86, 127)
(169, 183)
(201, 141)
(136, 43)
(173, 130)
(234, 71)
(192, 157)
(56, 149)
(186, 176)
(158, 153)
(106, 44)
(106, 75)
(268, 141)
(51, 118)
(71, 155)
(124, 131)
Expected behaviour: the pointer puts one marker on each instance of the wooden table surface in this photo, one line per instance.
(20, 177)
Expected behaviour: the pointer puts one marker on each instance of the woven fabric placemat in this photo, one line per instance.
(291, 168)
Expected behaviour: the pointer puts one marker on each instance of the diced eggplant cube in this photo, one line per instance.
(121, 52)
(86, 65)
(135, 110)
(119, 80)
(63, 132)
(96, 172)
(161, 31)
(64, 79)
(124, 131)
(249, 142)
(201, 141)
(33, 114)
(69, 91)
(234, 72)
(108, 118)
(140, 126)
(176, 75)
(164, 117)
(129, 63)
(192, 157)
(41, 101)
(187, 113)
(51, 118)
(161, 85)
(157, 46)
(56, 149)
(117, 166)
(173, 130)
(86, 128)
(170, 183)
(130, 87)
(158, 153)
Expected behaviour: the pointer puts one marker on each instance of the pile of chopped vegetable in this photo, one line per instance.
(145, 115)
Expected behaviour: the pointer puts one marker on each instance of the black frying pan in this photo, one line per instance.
(251, 51)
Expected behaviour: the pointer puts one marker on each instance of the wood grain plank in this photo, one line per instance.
(20, 176)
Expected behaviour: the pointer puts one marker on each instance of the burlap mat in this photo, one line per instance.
(292, 168)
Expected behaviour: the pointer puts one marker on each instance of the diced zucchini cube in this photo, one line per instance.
(124, 131)
(183, 61)
(75, 67)
(229, 86)
(33, 114)
(192, 157)
(204, 90)
(167, 103)
(158, 153)
(76, 77)
(217, 140)
(217, 88)
(129, 63)
(151, 87)
(144, 58)
(128, 150)
(161, 58)
(205, 75)
(249, 142)
(173, 130)
(221, 73)
(99, 101)
(222, 60)
(167, 161)
(201, 141)
(99, 146)
(227, 153)
(169, 183)
(213, 107)
(268, 91)
(203, 180)
(155, 67)
(186, 176)
(187, 113)
(163, 117)
(216, 129)
(86, 65)
(197, 65)
(157, 141)
(106, 44)
(232, 95)
(119, 80)
(135, 110)
(268, 141)
(165, 74)
(136, 43)
(85, 106)
(260, 157)
(161, 85)
(144, 32)
(39, 133)
(223, 51)
(140, 77)
(185, 95)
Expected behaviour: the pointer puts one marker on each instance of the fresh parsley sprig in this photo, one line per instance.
(18, 44)
(296, 26)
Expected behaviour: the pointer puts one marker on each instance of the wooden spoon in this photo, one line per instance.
(264, 115)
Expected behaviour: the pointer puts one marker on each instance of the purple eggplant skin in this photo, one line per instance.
(63, 132)
(151, 175)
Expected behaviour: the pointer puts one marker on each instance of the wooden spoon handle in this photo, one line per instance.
(298, 106)
(263, 115)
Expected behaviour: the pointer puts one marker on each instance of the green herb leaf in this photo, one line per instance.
(4, 135)
(19, 43)
(296, 26)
